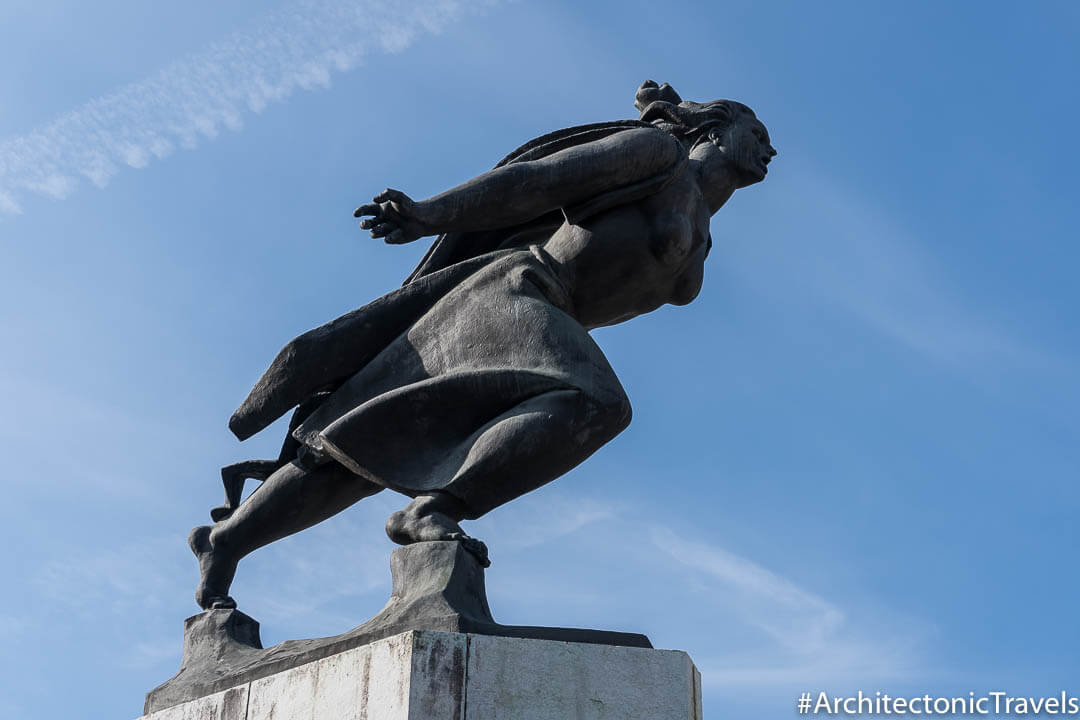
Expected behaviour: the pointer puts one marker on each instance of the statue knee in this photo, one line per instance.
(611, 411)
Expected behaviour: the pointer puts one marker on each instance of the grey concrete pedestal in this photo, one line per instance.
(430, 675)
(437, 586)
(433, 653)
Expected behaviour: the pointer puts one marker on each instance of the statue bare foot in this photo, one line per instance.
(215, 570)
(430, 517)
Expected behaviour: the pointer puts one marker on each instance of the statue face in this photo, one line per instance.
(746, 147)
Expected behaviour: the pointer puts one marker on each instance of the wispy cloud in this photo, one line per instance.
(807, 638)
(11, 627)
(11, 710)
(195, 98)
(117, 581)
(835, 247)
(69, 411)
(149, 654)
(880, 274)
(519, 527)
(301, 583)
(792, 616)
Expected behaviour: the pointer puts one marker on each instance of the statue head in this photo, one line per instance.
(728, 125)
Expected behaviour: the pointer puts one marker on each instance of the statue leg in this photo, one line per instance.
(292, 499)
(526, 447)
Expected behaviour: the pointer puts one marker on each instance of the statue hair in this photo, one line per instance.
(688, 121)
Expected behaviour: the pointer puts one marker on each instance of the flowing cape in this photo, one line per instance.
(322, 359)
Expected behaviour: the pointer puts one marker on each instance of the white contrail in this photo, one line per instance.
(193, 98)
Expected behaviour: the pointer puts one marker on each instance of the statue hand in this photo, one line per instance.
(394, 216)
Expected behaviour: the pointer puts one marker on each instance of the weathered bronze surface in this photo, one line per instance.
(477, 381)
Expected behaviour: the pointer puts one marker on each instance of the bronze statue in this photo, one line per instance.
(477, 381)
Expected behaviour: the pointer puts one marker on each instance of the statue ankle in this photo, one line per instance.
(221, 545)
(440, 501)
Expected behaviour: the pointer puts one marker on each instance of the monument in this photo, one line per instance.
(474, 383)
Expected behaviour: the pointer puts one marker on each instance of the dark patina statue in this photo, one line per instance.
(477, 381)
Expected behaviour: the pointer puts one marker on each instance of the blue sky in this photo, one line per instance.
(853, 459)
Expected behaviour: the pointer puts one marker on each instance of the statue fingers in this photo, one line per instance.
(397, 237)
(369, 209)
(395, 196)
(383, 229)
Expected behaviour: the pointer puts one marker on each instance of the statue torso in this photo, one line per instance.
(634, 258)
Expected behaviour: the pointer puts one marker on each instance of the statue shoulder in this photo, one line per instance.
(581, 135)
(613, 161)
(649, 149)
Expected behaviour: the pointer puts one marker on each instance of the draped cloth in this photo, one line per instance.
(415, 377)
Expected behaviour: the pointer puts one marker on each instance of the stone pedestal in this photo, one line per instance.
(432, 675)
(433, 652)
(437, 586)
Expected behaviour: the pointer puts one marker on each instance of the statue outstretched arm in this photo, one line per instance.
(519, 192)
